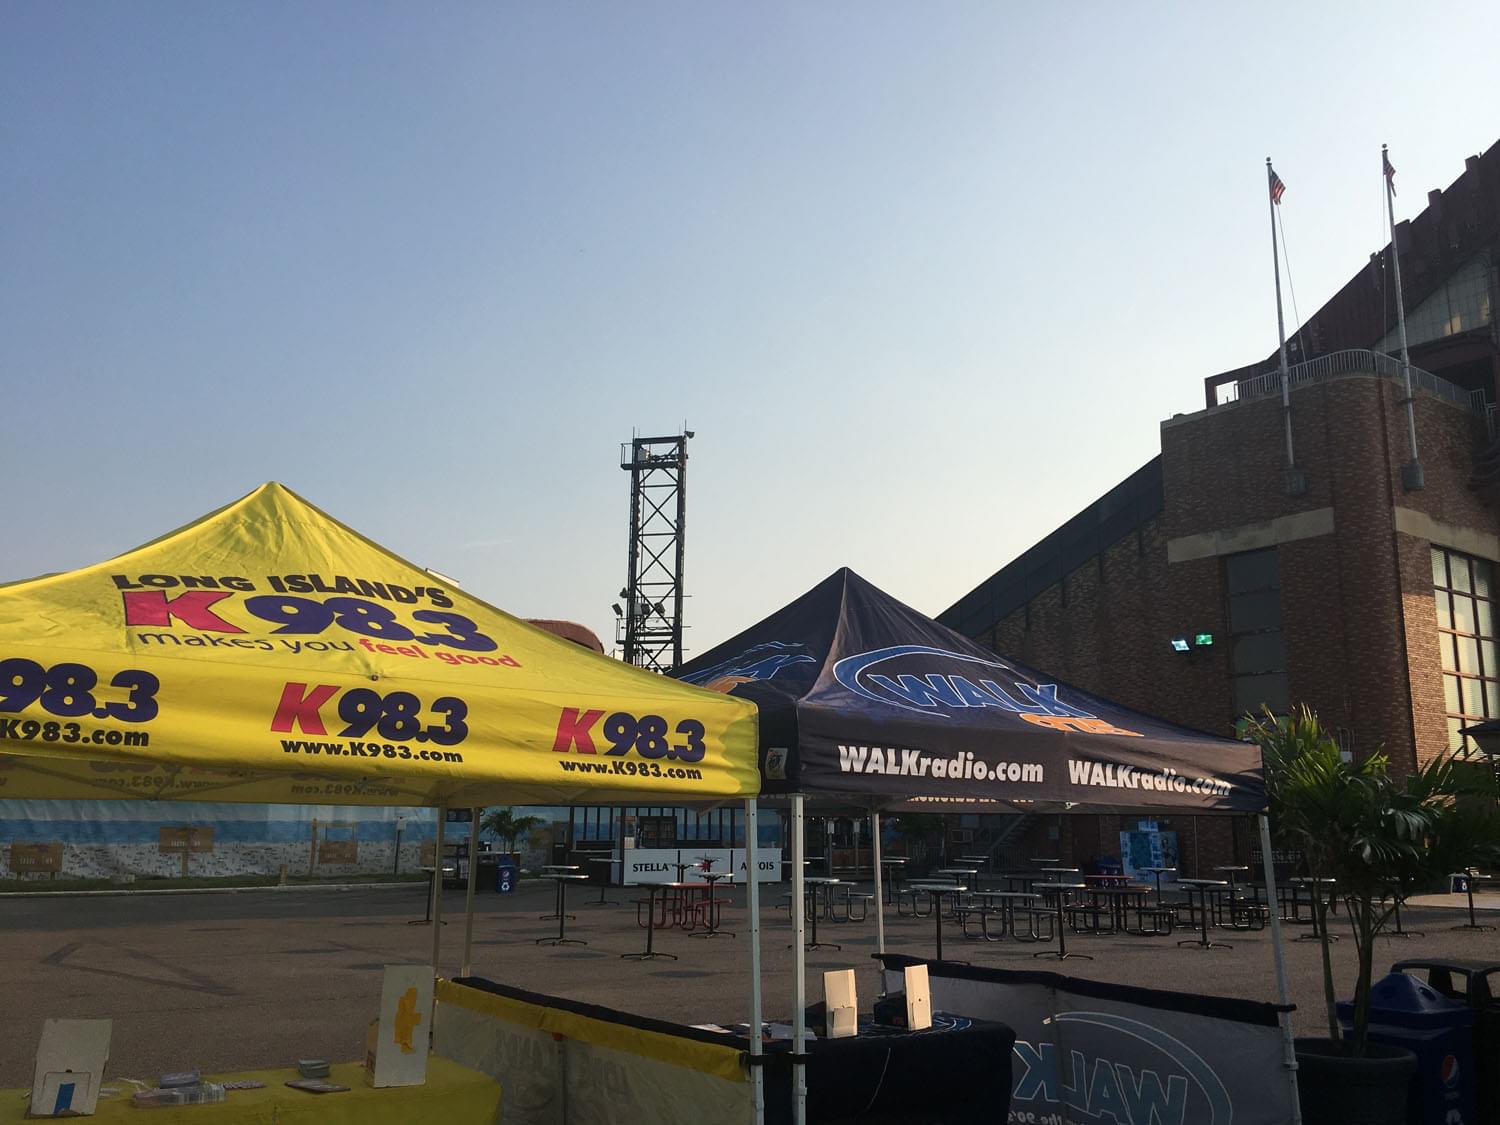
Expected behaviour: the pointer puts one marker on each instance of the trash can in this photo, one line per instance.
(1478, 985)
(506, 875)
(1405, 1012)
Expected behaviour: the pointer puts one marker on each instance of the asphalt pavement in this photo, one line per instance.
(258, 979)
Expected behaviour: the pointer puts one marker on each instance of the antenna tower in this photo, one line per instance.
(650, 625)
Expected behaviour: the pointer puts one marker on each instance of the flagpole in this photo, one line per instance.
(1411, 474)
(1294, 483)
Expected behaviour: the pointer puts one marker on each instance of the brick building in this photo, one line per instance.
(1351, 586)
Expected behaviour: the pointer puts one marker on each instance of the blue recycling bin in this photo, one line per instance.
(1405, 1012)
(506, 876)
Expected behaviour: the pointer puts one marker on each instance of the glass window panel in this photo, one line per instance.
(1473, 697)
(1258, 570)
(1468, 655)
(1439, 569)
(1259, 652)
(1450, 694)
(1491, 699)
(1445, 644)
(1251, 612)
(1484, 578)
(1487, 654)
(1251, 693)
(1484, 613)
(1444, 610)
(1455, 740)
(1463, 614)
(1458, 570)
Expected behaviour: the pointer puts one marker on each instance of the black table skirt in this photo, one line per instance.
(954, 1073)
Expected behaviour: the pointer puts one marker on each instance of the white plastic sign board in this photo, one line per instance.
(69, 1067)
(405, 1028)
(841, 1003)
(918, 998)
(660, 865)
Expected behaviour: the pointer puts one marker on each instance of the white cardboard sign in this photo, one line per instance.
(69, 1067)
(841, 1003)
(404, 1030)
(918, 998)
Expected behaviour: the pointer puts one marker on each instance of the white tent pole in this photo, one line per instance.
(752, 907)
(1283, 992)
(879, 898)
(469, 897)
(437, 888)
(799, 981)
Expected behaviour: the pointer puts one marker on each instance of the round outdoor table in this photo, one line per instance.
(936, 891)
(1061, 952)
(426, 920)
(1024, 878)
(968, 875)
(1061, 870)
(980, 863)
(712, 878)
(1398, 896)
(685, 892)
(1008, 901)
(1120, 902)
(894, 868)
(649, 953)
(811, 883)
(553, 871)
(607, 863)
(1203, 887)
(1158, 872)
(1470, 878)
(1229, 871)
(1038, 861)
(562, 938)
(1314, 891)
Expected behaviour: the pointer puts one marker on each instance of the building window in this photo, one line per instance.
(1257, 652)
(1463, 589)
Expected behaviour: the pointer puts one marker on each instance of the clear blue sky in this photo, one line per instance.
(922, 277)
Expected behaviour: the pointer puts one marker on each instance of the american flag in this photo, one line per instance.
(1390, 171)
(1278, 189)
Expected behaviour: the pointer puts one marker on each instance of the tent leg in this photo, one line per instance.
(437, 889)
(799, 981)
(752, 907)
(1283, 992)
(879, 897)
(468, 965)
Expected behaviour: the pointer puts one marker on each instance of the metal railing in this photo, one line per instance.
(1353, 361)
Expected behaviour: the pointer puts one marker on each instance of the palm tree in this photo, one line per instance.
(1377, 837)
(507, 826)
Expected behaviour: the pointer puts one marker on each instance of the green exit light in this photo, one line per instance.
(1204, 640)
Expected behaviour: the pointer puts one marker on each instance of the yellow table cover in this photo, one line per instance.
(452, 1095)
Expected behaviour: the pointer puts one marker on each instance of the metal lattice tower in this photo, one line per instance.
(650, 625)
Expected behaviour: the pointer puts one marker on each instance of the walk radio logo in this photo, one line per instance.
(1121, 1071)
(759, 662)
(935, 681)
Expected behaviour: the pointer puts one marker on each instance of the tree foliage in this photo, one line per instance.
(507, 826)
(1378, 836)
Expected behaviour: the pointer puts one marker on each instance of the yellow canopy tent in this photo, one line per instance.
(269, 653)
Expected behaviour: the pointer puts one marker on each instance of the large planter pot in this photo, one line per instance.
(1335, 1089)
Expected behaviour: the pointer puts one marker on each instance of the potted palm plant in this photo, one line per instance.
(1377, 836)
